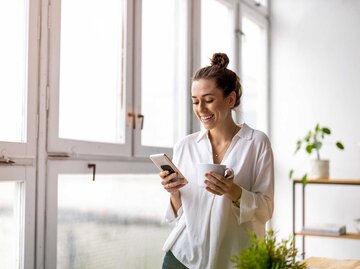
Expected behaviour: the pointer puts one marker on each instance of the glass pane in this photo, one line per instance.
(112, 222)
(253, 54)
(10, 219)
(91, 71)
(13, 70)
(217, 30)
(163, 71)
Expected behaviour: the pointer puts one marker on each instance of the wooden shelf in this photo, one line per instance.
(322, 181)
(330, 181)
(345, 236)
(320, 262)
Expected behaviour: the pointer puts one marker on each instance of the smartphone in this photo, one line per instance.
(163, 162)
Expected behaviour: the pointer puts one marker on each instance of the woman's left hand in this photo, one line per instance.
(222, 185)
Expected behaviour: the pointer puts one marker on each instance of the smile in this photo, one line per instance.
(206, 118)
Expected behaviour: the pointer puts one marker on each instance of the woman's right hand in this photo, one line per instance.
(171, 183)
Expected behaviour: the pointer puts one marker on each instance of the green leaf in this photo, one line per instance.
(317, 128)
(317, 145)
(326, 130)
(309, 148)
(307, 137)
(268, 253)
(340, 145)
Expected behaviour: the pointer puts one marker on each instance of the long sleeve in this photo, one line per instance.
(257, 204)
(170, 216)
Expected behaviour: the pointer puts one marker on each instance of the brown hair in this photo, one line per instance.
(225, 79)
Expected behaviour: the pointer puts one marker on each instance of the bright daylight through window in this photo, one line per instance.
(13, 70)
(163, 72)
(91, 71)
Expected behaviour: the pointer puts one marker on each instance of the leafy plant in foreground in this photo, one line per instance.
(266, 253)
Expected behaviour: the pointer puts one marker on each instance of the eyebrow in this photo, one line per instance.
(203, 95)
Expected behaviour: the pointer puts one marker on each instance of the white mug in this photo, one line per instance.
(203, 168)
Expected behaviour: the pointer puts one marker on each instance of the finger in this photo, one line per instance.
(170, 177)
(213, 191)
(173, 188)
(214, 178)
(214, 187)
(174, 184)
(223, 182)
(215, 175)
(163, 174)
(229, 173)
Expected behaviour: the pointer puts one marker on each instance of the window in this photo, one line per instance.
(164, 78)
(98, 223)
(91, 71)
(9, 224)
(118, 79)
(13, 82)
(18, 80)
(240, 29)
(107, 83)
(217, 30)
(90, 65)
(17, 222)
(254, 106)
(19, 54)
(87, 78)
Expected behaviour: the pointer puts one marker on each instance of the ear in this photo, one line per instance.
(231, 99)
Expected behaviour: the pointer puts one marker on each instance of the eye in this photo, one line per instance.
(195, 102)
(209, 101)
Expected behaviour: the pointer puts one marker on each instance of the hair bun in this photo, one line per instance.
(220, 59)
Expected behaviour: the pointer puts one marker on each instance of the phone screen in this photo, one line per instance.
(167, 168)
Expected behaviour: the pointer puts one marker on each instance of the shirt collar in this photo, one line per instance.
(245, 132)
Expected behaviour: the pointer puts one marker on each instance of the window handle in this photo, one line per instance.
(93, 166)
(132, 115)
(141, 117)
(6, 161)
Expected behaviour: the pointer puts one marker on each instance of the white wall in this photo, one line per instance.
(315, 77)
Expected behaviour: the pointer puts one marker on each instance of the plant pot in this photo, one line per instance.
(319, 169)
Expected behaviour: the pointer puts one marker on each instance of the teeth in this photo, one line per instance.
(206, 117)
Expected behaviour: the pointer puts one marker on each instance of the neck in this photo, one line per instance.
(224, 133)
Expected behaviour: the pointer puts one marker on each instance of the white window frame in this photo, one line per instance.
(132, 147)
(17, 151)
(68, 147)
(140, 150)
(26, 238)
(56, 167)
(24, 154)
(257, 14)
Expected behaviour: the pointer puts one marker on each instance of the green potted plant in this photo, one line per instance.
(266, 253)
(312, 143)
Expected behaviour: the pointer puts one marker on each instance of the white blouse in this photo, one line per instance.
(209, 230)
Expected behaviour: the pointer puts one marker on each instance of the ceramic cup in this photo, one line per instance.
(203, 168)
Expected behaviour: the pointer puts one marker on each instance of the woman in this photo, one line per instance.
(213, 223)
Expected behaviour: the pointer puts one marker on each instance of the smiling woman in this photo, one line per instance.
(215, 220)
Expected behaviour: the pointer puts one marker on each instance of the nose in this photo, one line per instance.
(202, 106)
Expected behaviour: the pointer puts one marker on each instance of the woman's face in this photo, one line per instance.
(209, 104)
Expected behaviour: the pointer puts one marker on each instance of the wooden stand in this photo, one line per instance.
(323, 182)
(315, 262)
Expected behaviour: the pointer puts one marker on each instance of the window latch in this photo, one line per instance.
(6, 161)
(93, 166)
(132, 115)
(141, 117)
